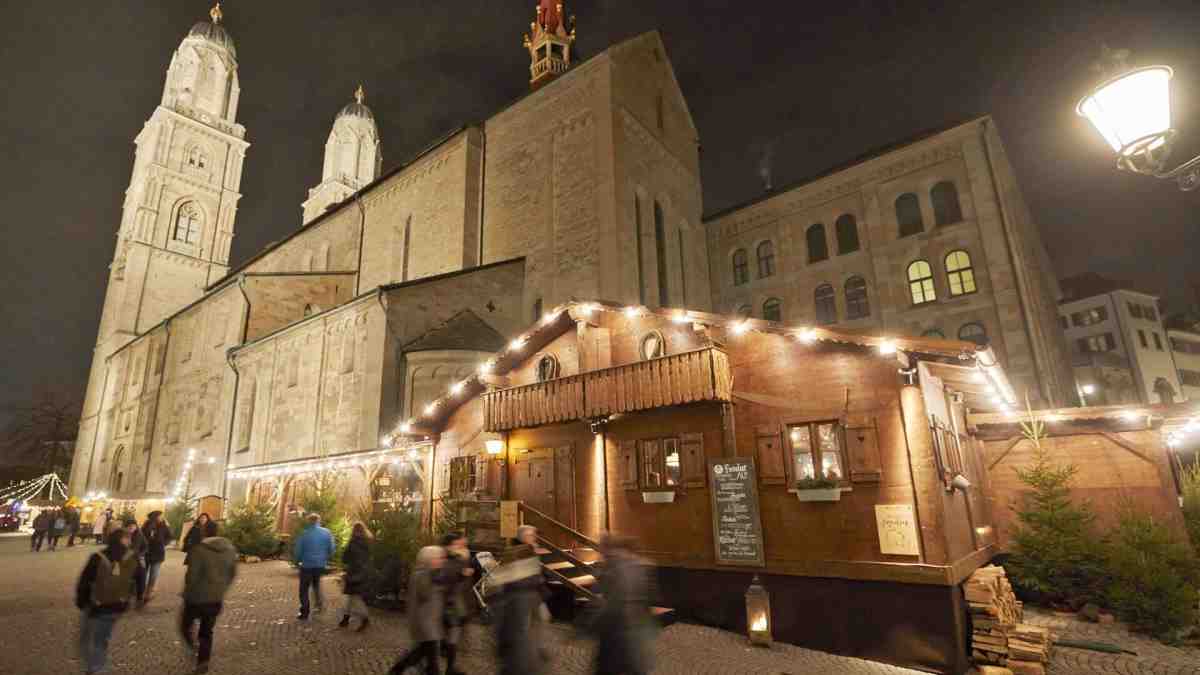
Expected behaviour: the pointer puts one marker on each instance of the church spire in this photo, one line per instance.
(352, 157)
(549, 42)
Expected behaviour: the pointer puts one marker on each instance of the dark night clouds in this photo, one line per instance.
(817, 86)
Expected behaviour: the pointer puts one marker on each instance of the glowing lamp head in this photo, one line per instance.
(549, 318)
(457, 388)
(516, 345)
(406, 427)
(495, 446)
(807, 336)
(680, 317)
(633, 312)
(739, 327)
(431, 408)
(1132, 111)
(1088, 389)
(485, 368)
(887, 347)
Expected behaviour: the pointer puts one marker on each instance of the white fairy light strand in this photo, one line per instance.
(358, 459)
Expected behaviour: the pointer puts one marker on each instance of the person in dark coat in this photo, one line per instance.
(58, 525)
(623, 627)
(102, 594)
(426, 607)
(521, 607)
(157, 535)
(195, 535)
(356, 560)
(137, 544)
(41, 523)
(455, 576)
(73, 516)
(209, 576)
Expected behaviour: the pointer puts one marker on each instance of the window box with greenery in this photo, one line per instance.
(661, 468)
(810, 462)
(818, 489)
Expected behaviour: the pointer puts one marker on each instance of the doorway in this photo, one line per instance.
(544, 478)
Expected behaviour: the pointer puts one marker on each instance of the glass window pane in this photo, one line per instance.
(674, 470)
(831, 456)
(802, 456)
(652, 464)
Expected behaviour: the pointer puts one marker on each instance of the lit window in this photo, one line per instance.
(973, 332)
(660, 463)
(741, 267)
(815, 447)
(920, 282)
(187, 223)
(847, 234)
(857, 304)
(766, 259)
(653, 346)
(946, 209)
(959, 273)
(772, 310)
(818, 250)
(908, 215)
(825, 300)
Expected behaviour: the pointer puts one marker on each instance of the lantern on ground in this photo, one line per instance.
(758, 614)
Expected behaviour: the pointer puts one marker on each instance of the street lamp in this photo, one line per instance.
(1132, 111)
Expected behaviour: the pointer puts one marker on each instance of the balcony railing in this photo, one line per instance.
(700, 375)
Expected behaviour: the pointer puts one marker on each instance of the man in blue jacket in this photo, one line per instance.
(312, 552)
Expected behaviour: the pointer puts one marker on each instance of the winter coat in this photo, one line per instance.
(101, 525)
(194, 536)
(519, 604)
(157, 538)
(211, 572)
(137, 544)
(451, 577)
(41, 523)
(314, 548)
(623, 628)
(58, 524)
(88, 580)
(357, 561)
(426, 606)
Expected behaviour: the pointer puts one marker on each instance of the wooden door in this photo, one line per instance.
(544, 479)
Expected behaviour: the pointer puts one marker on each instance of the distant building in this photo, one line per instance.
(1183, 334)
(1120, 352)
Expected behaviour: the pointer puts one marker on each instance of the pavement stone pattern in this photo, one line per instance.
(258, 633)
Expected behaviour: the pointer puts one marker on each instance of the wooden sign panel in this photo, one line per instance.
(897, 524)
(737, 530)
(509, 519)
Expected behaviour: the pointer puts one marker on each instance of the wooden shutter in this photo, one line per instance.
(770, 455)
(691, 454)
(627, 465)
(862, 447)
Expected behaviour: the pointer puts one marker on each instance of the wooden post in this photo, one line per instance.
(729, 431)
(927, 484)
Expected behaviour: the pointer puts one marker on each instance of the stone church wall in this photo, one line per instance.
(279, 300)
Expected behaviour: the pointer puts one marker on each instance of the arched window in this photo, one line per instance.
(741, 267)
(920, 282)
(857, 304)
(946, 209)
(547, 368)
(825, 299)
(772, 309)
(187, 223)
(653, 345)
(745, 311)
(766, 259)
(934, 333)
(959, 273)
(847, 234)
(196, 158)
(818, 250)
(973, 332)
(908, 214)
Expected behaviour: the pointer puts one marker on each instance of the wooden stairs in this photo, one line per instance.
(572, 572)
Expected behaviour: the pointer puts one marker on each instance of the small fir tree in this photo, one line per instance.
(181, 511)
(251, 528)
(1191, 502)
(322, 499)
(1057, 556)
(1154, 576)
(399, 535)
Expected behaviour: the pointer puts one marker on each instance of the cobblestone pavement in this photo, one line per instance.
(1152, 656)
(257, 634)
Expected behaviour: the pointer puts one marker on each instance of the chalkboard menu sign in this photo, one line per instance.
(737, 532)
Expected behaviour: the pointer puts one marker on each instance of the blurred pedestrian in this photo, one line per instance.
(102, 594)
(622, 626)
(194, 536)
(58, 525)
(41, 523)
(157, 535)
(73, 517)
(100, 528)
(521, 607)
(455, 577)
(208, 578)
(426, 607)
(137, 545)
(356, 560)
(312, 552)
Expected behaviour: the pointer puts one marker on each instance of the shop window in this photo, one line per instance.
(857, 304)
(815, 450)
(547, 368)
(960, 275)
(741, 267)
(653, 346)
(920, 282)
(825, 300)
(773, 310)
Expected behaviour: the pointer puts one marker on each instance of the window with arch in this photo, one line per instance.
(187, 223)
(959, 273)
(117, 477)
(857, 304)
(847, 233)
(653, 346)
(920, 282)
(766, 259)
(946, 209)
(772, 309)
(818, 250)
(741, 267)
(908, 215)
(825, 301)
(973, 332)
(934, 333)
(547, 368)
(196, 158)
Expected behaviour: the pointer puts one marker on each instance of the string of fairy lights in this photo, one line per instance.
(1177, 436)
(32, 488)
(373, 458)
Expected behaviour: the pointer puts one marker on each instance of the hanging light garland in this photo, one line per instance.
(33, 487)
(1176, 437)
(392, 455)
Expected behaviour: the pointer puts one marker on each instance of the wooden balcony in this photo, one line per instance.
(700, 375)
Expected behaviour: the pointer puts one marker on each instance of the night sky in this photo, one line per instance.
(817, 88)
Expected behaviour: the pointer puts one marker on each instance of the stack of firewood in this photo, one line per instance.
(1001, 644)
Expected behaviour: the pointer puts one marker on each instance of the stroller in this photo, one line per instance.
(486, 584)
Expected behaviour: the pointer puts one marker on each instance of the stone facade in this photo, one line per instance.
(843, 231)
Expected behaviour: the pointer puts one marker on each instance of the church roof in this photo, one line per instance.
(215, 33)
(463, 331)
(356, 109)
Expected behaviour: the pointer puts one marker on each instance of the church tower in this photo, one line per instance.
(177, 219)
(549, 43)
(352, 157)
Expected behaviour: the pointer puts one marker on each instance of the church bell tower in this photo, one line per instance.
(549, 43)
(352, 157)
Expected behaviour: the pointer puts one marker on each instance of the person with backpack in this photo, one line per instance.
(312, 552)
(209, 576)
(157, 535)
(102, 594)
(41, 523)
